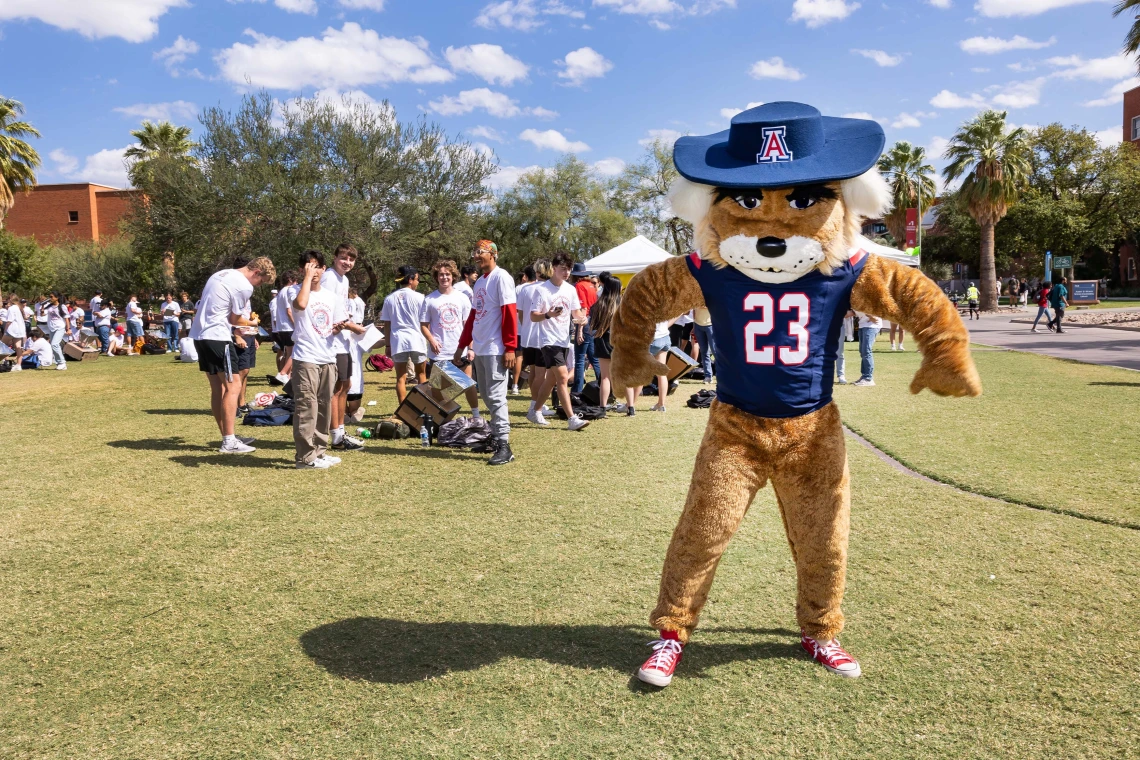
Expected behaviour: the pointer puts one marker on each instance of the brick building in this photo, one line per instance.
(81, 211)
(1132, 116)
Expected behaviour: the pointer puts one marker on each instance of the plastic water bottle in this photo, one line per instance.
(425, 439)
(364, 432)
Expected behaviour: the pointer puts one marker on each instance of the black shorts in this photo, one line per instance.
(532, 357)
(246, 357)
(973, 304)
(354, 397)
(343, 368)
(216, 356)
(554, 356)
(603, 349)
(284, 338)
(680, 333)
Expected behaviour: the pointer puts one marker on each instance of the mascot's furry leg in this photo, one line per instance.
(806, 460)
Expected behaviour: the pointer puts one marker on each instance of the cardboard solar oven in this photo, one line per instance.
(421, 402)
(679, 363)
(448, 381)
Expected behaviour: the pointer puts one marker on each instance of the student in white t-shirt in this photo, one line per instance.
(315, 334)
(526, 324)
(134, 320)
(528, 330)
(219, 311)
(15, 333)
(335, 279)
(869, 327)
(658, 348)
(171, 313)
(400, 321)
(468, 276)
(283, 327)
(555, 306)
(492, 331)
(55, 316)
(39, 347)
(442, 317)
(75, 316)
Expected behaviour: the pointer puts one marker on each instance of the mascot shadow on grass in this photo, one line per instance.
(777, 202)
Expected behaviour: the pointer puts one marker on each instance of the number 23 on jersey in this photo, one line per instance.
(765, 306)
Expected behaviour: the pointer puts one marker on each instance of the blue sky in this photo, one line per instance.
(532, 79)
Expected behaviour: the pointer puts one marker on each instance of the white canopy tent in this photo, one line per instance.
(629, 258)
(887, 253)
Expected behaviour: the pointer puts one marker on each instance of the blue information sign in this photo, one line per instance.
(1084, 291)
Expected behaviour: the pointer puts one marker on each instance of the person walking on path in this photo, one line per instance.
(869, 328)
(1043, 307)
(492, 330)
(1058, 299)
(972, 296)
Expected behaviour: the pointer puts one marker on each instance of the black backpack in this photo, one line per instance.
(591, 394)
(701, 399)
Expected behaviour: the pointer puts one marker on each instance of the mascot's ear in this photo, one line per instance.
(689, 200)
(867, 195)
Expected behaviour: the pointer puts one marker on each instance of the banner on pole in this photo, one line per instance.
(911, 227)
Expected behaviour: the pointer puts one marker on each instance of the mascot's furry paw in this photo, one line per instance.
(633, 369)
(951, 374)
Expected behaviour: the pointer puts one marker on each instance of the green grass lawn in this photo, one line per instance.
(1052, 433)
(1116, 305)
(163, 601)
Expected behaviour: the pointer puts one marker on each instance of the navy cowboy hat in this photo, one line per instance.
(579, 270)
(779, 145)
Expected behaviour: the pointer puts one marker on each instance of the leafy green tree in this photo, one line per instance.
(993, 163)
(912, 184)
(24, 266)
(563, 207)
(643, 191)
(162, 140)
(18, 159)
(1132, 38)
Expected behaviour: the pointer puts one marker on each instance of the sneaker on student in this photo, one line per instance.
(273, 380)
(864, 382)
(901, 347)
(536, 418)
(577, 423)
(61, 365)
(237, 447)
(243, 410)
(841, 380)
(546, 411)
(320, 463)
(514, 390)
(630, 411)
(616, 407)
(333, 461)
(17, 368)
(658, 669)
(657, 408)
(246, 439)
(502, 455)
(831, 656)
(348, 443)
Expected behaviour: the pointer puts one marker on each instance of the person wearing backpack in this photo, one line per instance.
(1059, 300)
(1043, 308)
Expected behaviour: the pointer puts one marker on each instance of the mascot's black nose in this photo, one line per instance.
(771, 247)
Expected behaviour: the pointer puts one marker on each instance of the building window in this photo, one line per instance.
(1131, 268)
(73, 217)
(1136, 127)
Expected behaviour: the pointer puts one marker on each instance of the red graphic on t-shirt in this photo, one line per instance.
(321, 318)
(480, 304)
(449, 318)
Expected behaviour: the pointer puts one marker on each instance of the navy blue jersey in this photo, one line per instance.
(776, 343)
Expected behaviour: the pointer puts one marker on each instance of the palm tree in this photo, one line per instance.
(912, 184)
(162, 140)
(993, 163)
(1132, 39)
(18, 160)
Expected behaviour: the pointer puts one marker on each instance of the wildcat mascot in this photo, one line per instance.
(776, 203)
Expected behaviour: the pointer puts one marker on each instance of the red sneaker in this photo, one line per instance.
(831, 656)
(658, 669)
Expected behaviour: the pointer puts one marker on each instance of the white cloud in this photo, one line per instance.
(774, 68)
(490, 62)
(1020, 67)
(609, 167)
(880, 57)
(133, 21)
(819, 12)
(556, 8)
(906, 120)
(177, 53)
(667, 136)
(992, 45)
(1095, 69)
(494, 103)
(344, 102)
(860, 115)
(543, 113)
(947, 99)
(1019, 94)
(660, 25)
(289, 6)
(178, 110)
(983, 70)
(937, 147)
(582, 64)
(506, 177)
(728, 113)
(363, 5)
(487, 133)
(347, 57)
(107, 167)
(1008, 8)
(1114, 96)
(639, 7)
(552, 139)
(523, 15)
(944, 4)
(1109, 137)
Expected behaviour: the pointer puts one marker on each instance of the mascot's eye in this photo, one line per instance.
(748, 202)
(800, 202)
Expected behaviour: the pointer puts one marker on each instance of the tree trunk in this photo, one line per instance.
(988, 282)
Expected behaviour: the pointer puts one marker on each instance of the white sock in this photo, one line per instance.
(338, 434)
(475, 413)
(229, 440)
(530, 408)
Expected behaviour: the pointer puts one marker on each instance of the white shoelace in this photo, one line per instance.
(833, 649)
(665, 652)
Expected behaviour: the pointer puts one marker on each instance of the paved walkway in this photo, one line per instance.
(1095, 345)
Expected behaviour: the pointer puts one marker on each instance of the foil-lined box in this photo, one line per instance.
(448, 381)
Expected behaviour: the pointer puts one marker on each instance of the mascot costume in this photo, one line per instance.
(777, 203)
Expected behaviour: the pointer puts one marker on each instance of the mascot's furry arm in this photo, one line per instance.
(656, 294)
(907, 297)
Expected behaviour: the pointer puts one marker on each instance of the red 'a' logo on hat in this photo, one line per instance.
(775, 149)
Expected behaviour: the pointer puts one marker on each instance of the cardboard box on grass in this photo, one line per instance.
(448, 381)
(679, 363)
(421, 400)
(78, 353)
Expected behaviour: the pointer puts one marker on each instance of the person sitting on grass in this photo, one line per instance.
(38, 349)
